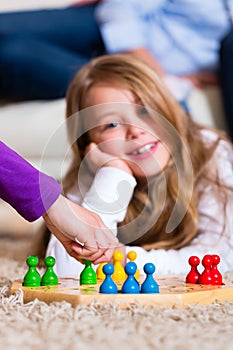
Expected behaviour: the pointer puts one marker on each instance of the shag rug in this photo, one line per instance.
(59, 326)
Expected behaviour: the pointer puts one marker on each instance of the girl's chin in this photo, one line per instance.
(146, 171)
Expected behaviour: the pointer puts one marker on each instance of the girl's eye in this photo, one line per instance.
(142, 111)
(113, 125)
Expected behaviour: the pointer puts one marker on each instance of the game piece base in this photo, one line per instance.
(173, 291)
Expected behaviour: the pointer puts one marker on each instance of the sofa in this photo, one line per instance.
(36, 129)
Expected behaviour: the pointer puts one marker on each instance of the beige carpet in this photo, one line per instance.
(58, 326)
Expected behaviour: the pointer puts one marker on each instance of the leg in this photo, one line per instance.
(40, 51)
(74, 28)
(33, 69)
(226, 79)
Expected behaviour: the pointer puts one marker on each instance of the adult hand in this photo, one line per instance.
(82, 232)
(202, 79)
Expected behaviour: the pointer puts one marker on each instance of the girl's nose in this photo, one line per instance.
(134, 132)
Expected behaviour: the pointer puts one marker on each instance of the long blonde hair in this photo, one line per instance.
(128, 72)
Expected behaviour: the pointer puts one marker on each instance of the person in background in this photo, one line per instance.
(181, 40)
(161, 182)
(40, 51)
(34, 194)
(226, 68)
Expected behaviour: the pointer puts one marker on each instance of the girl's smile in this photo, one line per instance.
(145, 151)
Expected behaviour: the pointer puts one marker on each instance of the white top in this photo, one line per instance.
(115, 188)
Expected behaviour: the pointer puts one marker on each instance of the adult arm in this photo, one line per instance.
(26, 189)
(34, 194)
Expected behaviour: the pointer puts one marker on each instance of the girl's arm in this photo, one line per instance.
(112, 187)
(109, 195)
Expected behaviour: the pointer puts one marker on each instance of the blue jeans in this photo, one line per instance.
(226, 78)
(40, 51)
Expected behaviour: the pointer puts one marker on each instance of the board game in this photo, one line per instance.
(173, 291)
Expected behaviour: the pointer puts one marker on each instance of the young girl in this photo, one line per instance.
(161, 182)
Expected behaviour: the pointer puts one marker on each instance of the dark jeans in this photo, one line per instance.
(226, 78)
(40, 51)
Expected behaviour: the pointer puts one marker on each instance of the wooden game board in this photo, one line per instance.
(172, 291)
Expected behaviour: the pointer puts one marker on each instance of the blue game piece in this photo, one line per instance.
(108, 286)
(149, 285)
(131, 285)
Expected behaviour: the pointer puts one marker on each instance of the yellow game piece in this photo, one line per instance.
(119, 275)
(99, 272)
(132, 255)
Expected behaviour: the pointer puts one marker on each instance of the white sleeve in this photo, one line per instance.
(109, 195)
(215, 230)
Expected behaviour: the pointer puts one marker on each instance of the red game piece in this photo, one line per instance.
(216, 275)
(206, 276)
(193, 275)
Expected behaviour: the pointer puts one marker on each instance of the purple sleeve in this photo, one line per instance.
(25, 188)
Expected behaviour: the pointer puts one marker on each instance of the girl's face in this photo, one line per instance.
(124, 130)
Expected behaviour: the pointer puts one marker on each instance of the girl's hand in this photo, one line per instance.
(97, 159)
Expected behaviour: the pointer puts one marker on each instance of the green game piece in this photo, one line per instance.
(88, 275)
(32, 277)
(49, 278)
